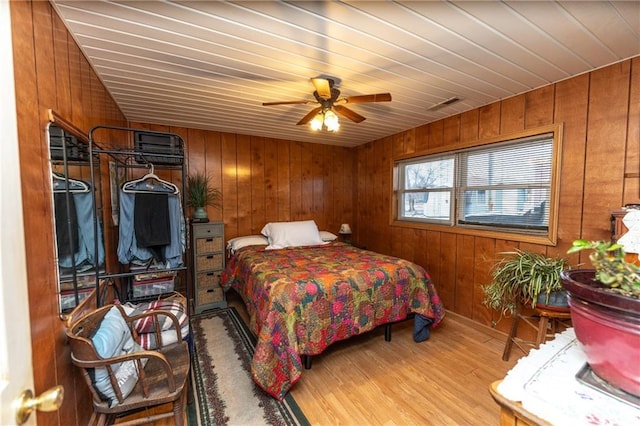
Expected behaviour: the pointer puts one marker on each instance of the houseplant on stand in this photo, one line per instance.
(523, 277)
(200, 194)
(605, 311)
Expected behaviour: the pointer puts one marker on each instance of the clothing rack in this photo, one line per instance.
(127, 160)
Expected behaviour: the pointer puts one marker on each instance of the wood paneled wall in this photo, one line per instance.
(269, 180)
(600, 165)
(50, 73)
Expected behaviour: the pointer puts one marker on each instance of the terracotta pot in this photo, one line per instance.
(607, 325)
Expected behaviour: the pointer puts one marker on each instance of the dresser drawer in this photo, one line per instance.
(208, 245)
(208, 279)
(209, 262)
(209, 295)
(208, 231)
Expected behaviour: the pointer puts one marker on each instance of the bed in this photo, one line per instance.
(302, 298)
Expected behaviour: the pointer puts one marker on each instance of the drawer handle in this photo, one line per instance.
(209, 240)
(210, 274)
(209, 257)
(210, 290)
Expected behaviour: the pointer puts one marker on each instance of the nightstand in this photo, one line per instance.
(208, 263)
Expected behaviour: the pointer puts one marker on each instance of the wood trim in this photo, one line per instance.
(550, 239)
(494, 333)
(66, 125)
(511, 412)
(555, 128)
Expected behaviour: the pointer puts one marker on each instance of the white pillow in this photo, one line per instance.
(292, 234)
(113, 338)
(328, 236)
(249, 240)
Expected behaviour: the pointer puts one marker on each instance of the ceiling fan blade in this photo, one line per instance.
(380, 97)
(307, 118)
(323, 87)
(350, 114)
(288, 103)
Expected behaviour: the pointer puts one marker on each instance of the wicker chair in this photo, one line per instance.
(159, 376)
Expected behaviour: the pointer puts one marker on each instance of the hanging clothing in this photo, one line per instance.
(151, 222)
(130, 249)
(66, 220)
(85, 256)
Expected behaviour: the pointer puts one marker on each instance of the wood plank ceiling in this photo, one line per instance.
(211, 65)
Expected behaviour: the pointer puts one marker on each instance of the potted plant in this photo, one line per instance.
(200, 194)
(523, 277)
(605, 313)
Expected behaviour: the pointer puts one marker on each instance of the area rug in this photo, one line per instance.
(224, 392)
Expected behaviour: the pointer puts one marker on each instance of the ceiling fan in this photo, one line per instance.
(329, 99)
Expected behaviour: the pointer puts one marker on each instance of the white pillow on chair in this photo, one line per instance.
(113, 338)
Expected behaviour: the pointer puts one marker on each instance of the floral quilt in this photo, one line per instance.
(300, 300)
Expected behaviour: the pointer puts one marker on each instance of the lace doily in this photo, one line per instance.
(546, 385)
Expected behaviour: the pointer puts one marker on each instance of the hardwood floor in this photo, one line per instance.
(367, 381)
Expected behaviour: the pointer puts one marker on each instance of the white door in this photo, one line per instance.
(16, 374)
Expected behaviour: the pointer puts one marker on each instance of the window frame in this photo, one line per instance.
(522, 235)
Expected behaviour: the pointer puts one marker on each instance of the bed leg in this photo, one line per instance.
(387, 332)
(306, 359)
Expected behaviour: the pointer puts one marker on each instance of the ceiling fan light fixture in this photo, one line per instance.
(316, 123)
(325, 116)
(326, 119)
(331, 121)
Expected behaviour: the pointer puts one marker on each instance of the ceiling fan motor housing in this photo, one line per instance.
(327, 103)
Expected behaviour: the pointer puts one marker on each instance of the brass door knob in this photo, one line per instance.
(50, 400)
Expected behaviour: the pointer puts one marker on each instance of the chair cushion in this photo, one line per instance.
(113, 338)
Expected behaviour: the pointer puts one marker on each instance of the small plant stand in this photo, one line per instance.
(545, 321)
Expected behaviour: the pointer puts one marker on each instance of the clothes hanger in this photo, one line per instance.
(133, 187)
(61, 183)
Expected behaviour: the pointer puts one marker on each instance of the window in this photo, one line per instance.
(428, 189)
(503, 186)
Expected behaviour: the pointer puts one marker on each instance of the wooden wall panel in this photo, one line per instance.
(50, 73)
(632, 163)
(484, 255)
(539, 107)
(61, 60)
(571, 107)
(422, 138)
(451, 130)
(606, 142)
(489, 120)
(464, 277)
(271, 180)
(284, 182)
(295, 164)
(213, 168)
(448, 262)
(196, 152)
(258, 190)
(243, 161)
(469, 122)
(512, 119)
(436, 134)
(230, 172)
(599, 114)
